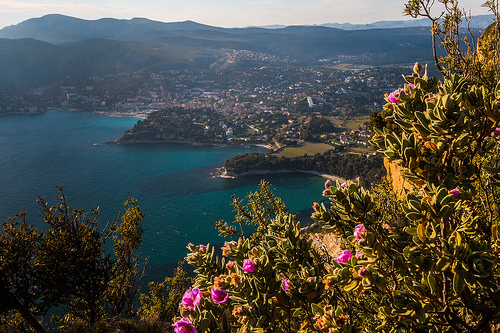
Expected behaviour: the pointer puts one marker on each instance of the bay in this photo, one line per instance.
(175, 184)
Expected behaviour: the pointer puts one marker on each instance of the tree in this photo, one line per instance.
(18, 274)
(127, 237)
(74, 268)
(162, 302)
(476, 63)
(66, 266)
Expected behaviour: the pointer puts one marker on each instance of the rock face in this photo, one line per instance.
(488, 47)
(394, 174)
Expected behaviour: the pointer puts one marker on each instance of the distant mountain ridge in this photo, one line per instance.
(40, 50)
(56, 28)
(477, 22)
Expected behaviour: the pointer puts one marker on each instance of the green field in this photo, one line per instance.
(350, 67)
(309, 149)
(350, 123)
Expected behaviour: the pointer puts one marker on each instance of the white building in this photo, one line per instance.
(310, 102)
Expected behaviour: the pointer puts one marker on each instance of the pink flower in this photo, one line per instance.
(328, 183)
(455, 192)
(284, 284)
(184, 325)
(343, 185)
(392, 96)
(191, 298)
(219, 296)
(248, 266)
(497, 131)
(203, 248)
(359, 230)
(359, 255)
(344, 257)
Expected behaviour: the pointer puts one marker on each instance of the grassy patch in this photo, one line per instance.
(350, 67)
(355, 122)
(350, 123)
(309, 149)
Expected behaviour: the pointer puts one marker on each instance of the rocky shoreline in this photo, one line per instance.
(189, 142)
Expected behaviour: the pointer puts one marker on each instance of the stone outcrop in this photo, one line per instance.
(394, 175)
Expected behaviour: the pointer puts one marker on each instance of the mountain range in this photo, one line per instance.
(40, 50)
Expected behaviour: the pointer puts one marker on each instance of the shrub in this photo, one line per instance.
(424, 261)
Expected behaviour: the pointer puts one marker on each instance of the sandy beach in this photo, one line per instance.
(223, 173)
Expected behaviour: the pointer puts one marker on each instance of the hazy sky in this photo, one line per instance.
(221, 13)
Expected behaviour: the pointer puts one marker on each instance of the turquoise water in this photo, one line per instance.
(175, 184)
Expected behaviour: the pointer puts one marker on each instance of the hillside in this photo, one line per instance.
(59, 29)
(39, 51)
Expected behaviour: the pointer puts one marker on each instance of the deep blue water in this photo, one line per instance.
(174, 183)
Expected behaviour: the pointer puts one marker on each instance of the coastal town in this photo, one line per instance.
(273, 103)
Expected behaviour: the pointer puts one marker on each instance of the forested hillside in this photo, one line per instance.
(83, 48)
(369, 168)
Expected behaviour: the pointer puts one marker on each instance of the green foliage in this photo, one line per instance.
(450, 27)
(18, 274)
(127, 238)
(333, 162)
(276, 282)
(314, 127)
(426, 260)
(65, 266)
(162, 303)
(261, 207)
(257, 299)
(72, 262)
(438, 256)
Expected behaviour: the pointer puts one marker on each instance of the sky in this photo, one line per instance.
(220, 13)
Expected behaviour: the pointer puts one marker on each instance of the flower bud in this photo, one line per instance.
(417, 68)
(455, 192)
(230, 266)
(363, 272)
(359, 231)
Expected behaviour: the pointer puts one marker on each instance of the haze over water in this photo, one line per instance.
(175, 184)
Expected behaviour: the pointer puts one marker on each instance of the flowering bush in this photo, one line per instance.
(439, 256)
(424, 260)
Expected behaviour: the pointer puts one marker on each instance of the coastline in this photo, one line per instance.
(37, 113)
(138, 114)
(224, 174)
(192, 143)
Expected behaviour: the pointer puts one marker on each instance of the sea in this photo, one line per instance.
(176, 185)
